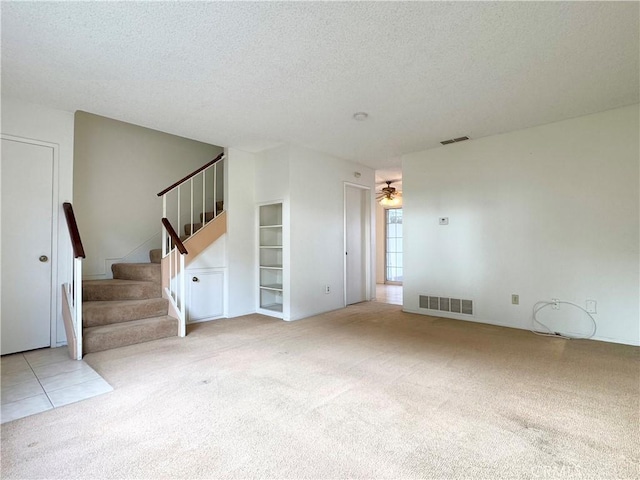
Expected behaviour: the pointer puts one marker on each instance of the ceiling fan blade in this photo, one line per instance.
(390, 181)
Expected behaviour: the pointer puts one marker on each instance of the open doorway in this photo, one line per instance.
(389, 233)
(391, 290)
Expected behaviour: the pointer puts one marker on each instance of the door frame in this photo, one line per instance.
(366, 240)
(386, 238)
(55, 230)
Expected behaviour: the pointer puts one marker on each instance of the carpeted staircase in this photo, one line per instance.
(126, 310)
(129, 309)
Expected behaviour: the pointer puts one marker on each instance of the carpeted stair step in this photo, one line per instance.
(97, 339)
(155, 255)
(95, 314)
(188, 231)
(149, 272)
(116, 289)
(208, 216)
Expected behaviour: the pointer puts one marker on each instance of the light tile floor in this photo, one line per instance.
(389, 294)
(40, 380)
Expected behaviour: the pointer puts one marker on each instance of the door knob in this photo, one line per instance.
(195, 279)
(44, 258)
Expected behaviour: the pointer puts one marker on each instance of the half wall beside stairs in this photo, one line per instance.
(195, 243)
(190, 301)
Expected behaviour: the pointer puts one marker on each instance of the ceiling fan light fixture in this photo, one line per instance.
(389, 196)
(390, 201)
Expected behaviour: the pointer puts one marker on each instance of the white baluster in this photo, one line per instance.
(170, 262)
(176, 253)
(78, 306)
(215, 184)
(165, 237)
(204, 197)
(183, 310)
(191, 200)
(179, 213)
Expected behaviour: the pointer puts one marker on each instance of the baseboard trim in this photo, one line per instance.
(597, 338)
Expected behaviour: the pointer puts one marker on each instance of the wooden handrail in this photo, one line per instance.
(174, 236)
(192, 174)
(76, 242)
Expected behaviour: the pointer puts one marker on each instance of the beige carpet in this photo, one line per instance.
(366, 392)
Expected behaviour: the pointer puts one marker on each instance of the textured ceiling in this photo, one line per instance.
(253, 75)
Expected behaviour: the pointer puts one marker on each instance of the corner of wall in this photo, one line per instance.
(241, 245)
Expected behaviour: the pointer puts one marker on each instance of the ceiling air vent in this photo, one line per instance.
(454, 140)
(446, 304)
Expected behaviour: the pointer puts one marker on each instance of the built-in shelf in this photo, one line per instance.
(274, 307)
(271, 215)
(270, 242)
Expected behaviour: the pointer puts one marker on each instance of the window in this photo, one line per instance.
(393, 251)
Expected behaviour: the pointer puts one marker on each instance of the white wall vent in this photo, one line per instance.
(467, 307)
(446, 304)
(423, 301)
(456, 305)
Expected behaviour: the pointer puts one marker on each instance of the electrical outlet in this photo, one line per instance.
(556, 303)
(591, 306)
(327, 289)
(515, 299)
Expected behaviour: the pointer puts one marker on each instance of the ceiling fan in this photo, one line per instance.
(389, 196)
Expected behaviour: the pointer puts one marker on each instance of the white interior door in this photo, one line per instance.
(355, 238)
(27, 196)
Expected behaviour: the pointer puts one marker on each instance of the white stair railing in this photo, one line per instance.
(194, 196)
(72, 293)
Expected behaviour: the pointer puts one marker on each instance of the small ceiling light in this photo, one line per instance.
(360, 116)
(357, 174)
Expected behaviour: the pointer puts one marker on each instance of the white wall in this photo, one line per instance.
(241, 232)
(119, 169)
(317, 229)
(30, 121)
(545, 212)
(272, 180)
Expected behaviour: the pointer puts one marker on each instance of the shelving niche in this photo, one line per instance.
(271, 259)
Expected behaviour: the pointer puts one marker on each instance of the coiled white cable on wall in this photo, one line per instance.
(551, 333)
